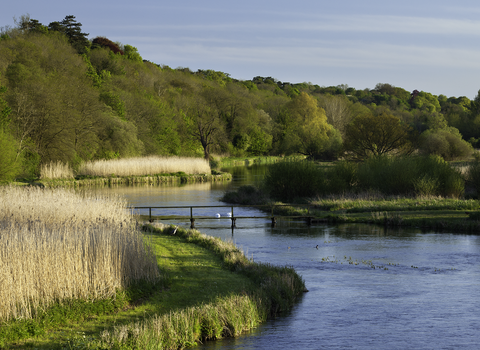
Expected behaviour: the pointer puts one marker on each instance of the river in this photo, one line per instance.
(369, 287)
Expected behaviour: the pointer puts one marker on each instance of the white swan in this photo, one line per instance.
(217, 215)
(229, 215)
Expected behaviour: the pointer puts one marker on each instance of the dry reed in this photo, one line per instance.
(57, 245)
(56, 170)
(142, 166)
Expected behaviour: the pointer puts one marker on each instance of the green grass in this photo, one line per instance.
(208, 282)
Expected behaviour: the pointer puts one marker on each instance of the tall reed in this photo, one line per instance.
(56, 170)
(293, 179)
(57, 245)
(141, 166)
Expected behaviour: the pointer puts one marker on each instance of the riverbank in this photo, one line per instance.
(429, 212)
(210, 290)
(173, 179)
(219, 162)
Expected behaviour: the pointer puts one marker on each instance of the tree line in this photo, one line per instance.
(66, 98)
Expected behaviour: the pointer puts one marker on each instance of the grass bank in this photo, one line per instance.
(208, 290)
(218, 162)
(252, 292)
(427, 212)
(174, 178)
(424, 192)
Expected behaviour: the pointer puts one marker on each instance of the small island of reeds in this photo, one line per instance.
(138, 170)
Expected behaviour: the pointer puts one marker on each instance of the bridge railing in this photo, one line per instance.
(232, 217)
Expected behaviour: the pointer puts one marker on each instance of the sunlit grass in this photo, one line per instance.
(271, 290)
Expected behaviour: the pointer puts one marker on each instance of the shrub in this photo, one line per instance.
(292, 179)
(445, 143)
(473, 175)
(246, 195)
(342, 177)
(389, 175)
(428, 175)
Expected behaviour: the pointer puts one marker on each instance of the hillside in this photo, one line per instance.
(66, 98)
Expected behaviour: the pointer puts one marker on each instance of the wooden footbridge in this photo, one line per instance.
(231, 215)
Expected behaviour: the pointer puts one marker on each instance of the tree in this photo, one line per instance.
(131, 53)
(10, 165)
(306, 130)
(73, 30)
(337, 111)
(368, 135)
(203, 123)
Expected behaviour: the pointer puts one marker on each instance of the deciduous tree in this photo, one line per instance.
(368, 135)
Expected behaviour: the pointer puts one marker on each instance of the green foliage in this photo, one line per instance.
(410, 175)
(342, 177)
(115, 102)
(10, 162)
(131, 53)
(289, 180)
(260, 142)
(446, 143)
(368, 135)
(246, 195)
(473, 175)
(59, 101)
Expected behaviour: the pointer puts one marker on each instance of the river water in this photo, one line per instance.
(369, 287)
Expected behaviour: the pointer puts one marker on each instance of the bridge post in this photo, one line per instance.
(192, 223)
(234, 222)
(274, 221)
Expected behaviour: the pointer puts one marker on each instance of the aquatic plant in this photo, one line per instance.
(56, 170)
(56, 245)
(141, 166)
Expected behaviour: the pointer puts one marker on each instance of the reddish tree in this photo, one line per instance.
(104, 42)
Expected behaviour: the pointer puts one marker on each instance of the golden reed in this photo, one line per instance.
(57, 245)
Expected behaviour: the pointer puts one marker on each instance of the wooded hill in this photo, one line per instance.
(66, 98)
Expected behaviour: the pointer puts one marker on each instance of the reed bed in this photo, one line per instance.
(56, 170)
(56, 245)
(142, 166)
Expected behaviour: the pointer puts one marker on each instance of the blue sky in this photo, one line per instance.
(425, 45)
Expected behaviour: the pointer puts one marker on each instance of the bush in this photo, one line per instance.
(473, 175)
(430, 175)
(342, 177)
(288, 180)
(445, 143)
(389, 175)
(246, 195)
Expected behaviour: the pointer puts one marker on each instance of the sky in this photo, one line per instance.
(427, 45)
